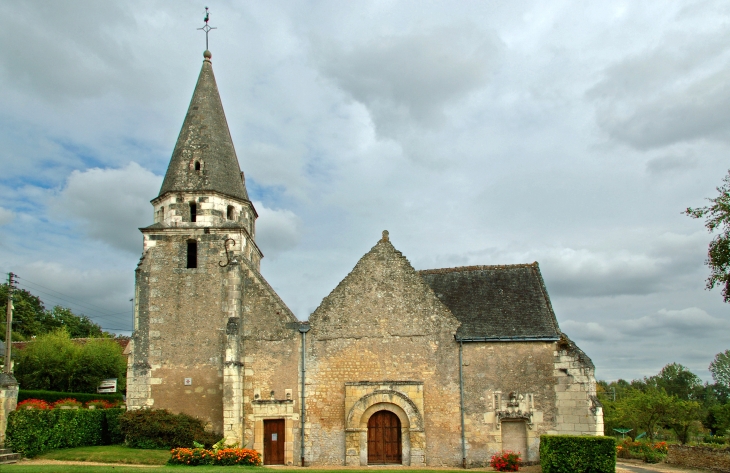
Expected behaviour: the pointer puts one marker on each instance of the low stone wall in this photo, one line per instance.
(715, 459)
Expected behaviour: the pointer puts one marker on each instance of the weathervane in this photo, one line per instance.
(207, 28)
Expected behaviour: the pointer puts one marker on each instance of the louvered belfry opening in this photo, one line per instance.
(384, 439)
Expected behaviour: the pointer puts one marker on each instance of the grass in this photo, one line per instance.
(109, 454)
(119, 457)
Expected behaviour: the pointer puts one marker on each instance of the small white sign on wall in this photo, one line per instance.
(188, 381)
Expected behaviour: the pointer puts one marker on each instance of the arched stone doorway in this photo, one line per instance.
(384, 439)
(367, 403)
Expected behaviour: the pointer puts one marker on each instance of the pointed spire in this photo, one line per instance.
(204, 158)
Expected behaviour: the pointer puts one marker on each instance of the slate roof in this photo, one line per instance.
(205, 137)
(507, 302)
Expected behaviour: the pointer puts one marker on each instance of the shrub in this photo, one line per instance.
(577, 454)
(53, 396)
(159, 428)
(32, 432)
(506, 461)
(221, 457)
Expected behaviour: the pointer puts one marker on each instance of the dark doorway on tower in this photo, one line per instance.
(384, 439)
(273, 441)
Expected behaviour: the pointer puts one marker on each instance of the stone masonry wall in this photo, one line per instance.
(271, 353)
(8, 402)
(714, 459)
(578, 410)
(382, 325)
(493, 370)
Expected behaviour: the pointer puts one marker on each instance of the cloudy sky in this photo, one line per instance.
(569, 133)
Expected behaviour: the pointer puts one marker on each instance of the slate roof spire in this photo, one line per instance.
(204, 158)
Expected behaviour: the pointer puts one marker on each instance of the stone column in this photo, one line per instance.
(8, 402)
(233, 367)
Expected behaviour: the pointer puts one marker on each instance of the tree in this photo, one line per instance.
(30, 318)
(54, 362)
(645, 410)
(677, 380)
(684, 418)
(720, 369)
(717, 218)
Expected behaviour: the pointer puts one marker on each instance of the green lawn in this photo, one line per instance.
(109, 454)
(152, 459)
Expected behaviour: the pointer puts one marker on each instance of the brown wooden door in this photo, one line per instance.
(274, 442)
(384, 441)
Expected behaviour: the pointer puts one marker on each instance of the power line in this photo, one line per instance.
(83, 308)
(89, 305)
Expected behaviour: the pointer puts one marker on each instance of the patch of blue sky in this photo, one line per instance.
(86, 155)
(318, 168)
(271, 196)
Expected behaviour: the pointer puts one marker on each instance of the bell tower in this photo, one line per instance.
(190, 279)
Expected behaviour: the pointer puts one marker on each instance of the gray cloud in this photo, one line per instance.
(692, 322)
(63, 53)
(677, 91)
(110, 204)
(664, 164)
(102, 294)
(276, 230)
(589, 273)
(410, 79)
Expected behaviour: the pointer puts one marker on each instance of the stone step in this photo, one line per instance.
(5, 450)
(6, 458)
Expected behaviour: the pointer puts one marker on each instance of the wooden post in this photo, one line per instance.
(9, 323)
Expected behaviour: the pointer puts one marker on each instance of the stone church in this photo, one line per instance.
(440, 367)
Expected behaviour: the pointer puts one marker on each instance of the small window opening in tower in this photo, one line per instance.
(229, 213)
(192, 254)
(162, 214)
(197, 165)
(193, 212)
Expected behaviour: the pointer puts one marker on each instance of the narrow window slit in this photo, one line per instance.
(229, 213)
(192, 254)
(193, 212)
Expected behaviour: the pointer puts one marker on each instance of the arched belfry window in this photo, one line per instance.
(193, 211)
(197, 165)
(229, 212)
(192, 254)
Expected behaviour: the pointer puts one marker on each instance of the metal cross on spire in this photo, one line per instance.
(207, 28)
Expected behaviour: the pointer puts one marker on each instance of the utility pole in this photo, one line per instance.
(9, 323)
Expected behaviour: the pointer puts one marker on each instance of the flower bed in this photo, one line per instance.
(506, 461)
(647, 451)
(220, 457)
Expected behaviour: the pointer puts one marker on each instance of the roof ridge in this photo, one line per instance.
(476, 268)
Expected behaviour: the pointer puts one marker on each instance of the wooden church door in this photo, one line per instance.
(274, 442)
(384, 438)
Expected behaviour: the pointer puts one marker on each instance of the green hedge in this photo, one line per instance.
(34, 431)
(577, 454)
(53, 396)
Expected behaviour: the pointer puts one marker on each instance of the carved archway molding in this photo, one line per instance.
(384, 399)
(395, 399)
